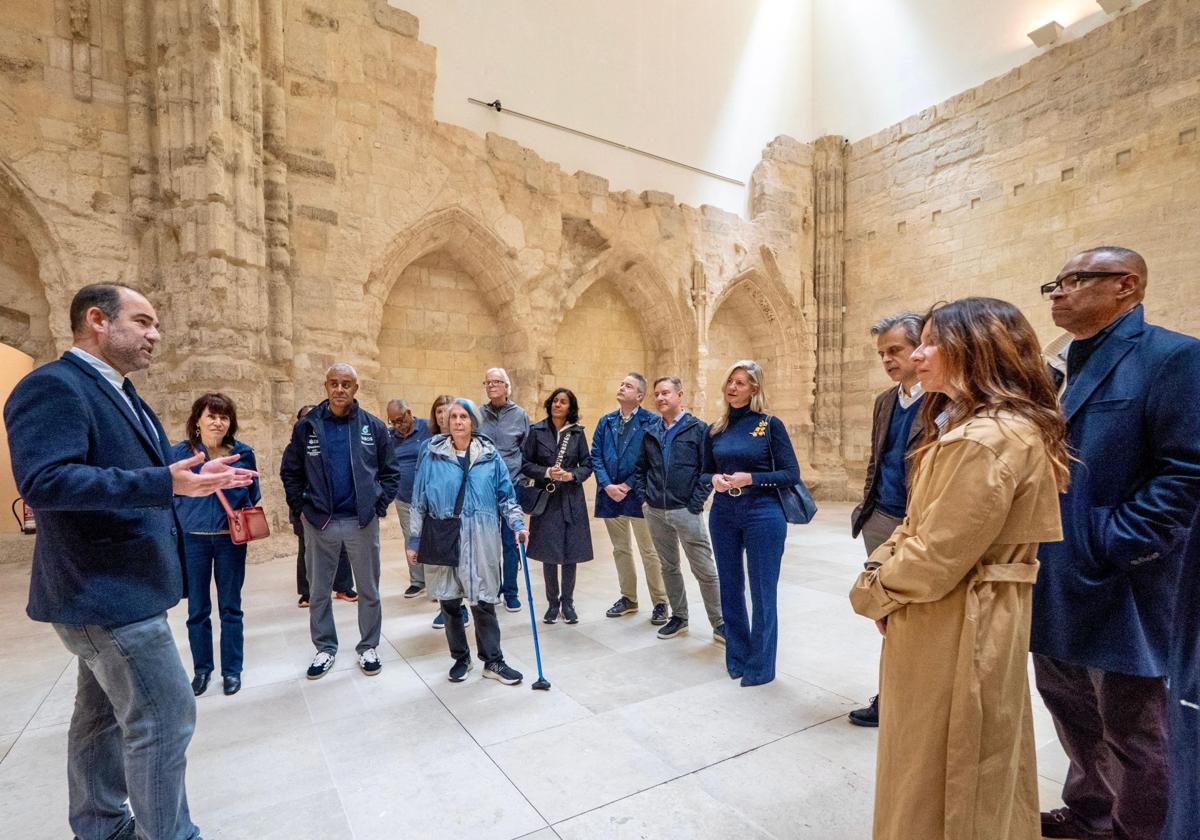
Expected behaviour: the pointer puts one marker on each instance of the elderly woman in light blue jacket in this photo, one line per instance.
(487, 497)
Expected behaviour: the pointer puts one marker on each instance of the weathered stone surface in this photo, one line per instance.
(271, 173)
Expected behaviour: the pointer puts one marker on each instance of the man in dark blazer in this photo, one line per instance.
(1105, 594)
(616, 444)
(895, 427)
(91, 458)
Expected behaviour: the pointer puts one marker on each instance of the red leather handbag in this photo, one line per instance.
(246, 524)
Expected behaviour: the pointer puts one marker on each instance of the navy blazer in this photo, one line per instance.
(108, 543)
(1104, 595)
(614, 461)
(1183, 703)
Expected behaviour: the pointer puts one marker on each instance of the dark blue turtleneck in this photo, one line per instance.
(743, 447)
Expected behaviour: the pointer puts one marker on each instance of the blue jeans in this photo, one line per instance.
(512, 559)
(750, 525)
(207, 556)
(134, 716)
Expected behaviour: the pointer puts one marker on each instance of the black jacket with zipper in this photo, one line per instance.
(305, 470)
(680, 485)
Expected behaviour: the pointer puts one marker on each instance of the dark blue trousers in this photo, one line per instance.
(512, 559)
(750, 530)
(210, 556)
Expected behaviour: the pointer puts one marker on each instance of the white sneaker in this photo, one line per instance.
(369, 662)
(320, 666)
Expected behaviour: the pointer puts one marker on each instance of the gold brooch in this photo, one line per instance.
(760, 429)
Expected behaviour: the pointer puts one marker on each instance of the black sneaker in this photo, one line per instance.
(551, 616)
(659, 616)
(868, 716)
(500, 671)
(460, 669)
(719, 634)
(569, 614)
(623, 607)
(320, 666)
(414, 590)
(369, 662)
(675, 627)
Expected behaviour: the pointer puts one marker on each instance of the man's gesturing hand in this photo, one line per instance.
(216, 474)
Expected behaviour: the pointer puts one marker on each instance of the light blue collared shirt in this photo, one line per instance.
(114, 379)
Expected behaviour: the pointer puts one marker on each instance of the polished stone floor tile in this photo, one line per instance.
(636, 738)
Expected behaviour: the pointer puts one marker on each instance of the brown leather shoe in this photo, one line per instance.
(1061, 823)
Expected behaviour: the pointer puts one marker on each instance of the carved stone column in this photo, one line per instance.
(829, 172)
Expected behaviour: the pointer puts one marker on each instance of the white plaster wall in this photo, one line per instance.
(879, 61)
(708, 82)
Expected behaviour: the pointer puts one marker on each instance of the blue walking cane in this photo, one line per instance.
(542, 683)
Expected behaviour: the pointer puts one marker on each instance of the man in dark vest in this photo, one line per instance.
(895, 428)
(92, 459)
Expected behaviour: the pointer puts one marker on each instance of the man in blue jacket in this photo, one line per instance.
(616, 444)
(339, 475)
(90, 456)
(409, 436)
(668, 476)
(1103, 602)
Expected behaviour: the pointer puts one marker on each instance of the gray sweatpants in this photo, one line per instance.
(321, 552)
(416, 572)
(669, 528)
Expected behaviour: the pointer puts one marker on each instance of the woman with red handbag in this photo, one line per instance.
(208, 546)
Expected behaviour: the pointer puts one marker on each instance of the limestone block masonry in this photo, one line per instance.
(270, 173)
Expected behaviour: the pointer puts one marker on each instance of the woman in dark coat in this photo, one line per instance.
(556, 459)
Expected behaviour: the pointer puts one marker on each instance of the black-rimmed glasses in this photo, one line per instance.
(1072, 282)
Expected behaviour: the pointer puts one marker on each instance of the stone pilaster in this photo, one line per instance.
(829, 172)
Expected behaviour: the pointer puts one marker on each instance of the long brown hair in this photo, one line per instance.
(438, 402)
(993, 359)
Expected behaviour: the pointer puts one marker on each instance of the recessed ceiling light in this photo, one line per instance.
(1046, 35)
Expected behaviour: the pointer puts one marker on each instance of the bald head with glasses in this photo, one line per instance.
(1096, 287)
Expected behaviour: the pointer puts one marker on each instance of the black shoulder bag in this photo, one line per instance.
(798, 505)
(441, 539)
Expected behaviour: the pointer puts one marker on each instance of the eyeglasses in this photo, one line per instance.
(1073, 282)
(493, 383)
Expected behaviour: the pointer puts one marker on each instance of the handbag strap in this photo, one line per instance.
(220, 496)
(770, 448)
(462, 488)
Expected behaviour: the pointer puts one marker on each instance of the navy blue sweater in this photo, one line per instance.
(204, 514)
(742, 447)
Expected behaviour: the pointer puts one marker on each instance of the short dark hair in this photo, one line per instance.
(304, 409)
(675, 381)
(572, 404)
(104, 296)
(216, 404)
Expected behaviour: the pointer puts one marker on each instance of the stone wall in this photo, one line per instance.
(988, 193)
(271, 175)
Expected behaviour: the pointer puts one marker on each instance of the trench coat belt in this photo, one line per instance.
(964, 741)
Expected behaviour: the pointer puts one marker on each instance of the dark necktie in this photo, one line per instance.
(138, 411)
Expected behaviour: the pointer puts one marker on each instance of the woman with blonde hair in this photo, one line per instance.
(952, 589)
(747, 458)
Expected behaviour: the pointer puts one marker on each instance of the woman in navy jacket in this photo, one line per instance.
(747, 455)
(208, 550)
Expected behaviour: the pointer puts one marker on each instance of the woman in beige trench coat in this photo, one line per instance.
(952, 589)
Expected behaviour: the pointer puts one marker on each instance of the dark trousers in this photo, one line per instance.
(208, 556)
(343, 579)
(487, 631)
(1113, 729)
(555, 594)
(750, 526)
(512, 560)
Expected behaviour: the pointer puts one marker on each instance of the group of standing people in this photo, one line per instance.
(1014, 502)
(1019, 500)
